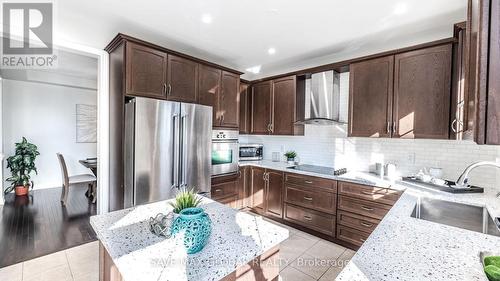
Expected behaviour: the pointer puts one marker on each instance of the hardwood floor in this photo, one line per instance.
(38, 225)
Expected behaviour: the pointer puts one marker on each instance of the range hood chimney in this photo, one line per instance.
(319, 99)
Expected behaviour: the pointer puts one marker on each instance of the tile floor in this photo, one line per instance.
(304, 257)
(75, 264)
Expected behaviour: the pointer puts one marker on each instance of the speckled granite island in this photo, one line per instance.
(241, 245)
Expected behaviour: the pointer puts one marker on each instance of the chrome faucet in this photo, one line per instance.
(464, 177)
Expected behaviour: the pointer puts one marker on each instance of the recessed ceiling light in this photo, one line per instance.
(254, 69)
(271, 51)
(206, 18)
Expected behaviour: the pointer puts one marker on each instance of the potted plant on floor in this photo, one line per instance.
(21, 165)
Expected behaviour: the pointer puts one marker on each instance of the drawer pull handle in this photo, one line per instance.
(368, 193)
(307, 218)
(218, 190)
(366, 208)
(362, 240)
(308, 198)
(366, 224)
(308, 182)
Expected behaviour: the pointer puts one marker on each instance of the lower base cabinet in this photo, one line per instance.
(318, 221)
(225, 190)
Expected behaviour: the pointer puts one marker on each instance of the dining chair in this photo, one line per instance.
(91, 180)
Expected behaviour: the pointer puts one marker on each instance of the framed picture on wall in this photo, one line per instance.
(86, 123)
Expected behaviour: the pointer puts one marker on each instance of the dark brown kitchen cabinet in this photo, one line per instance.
(245, 110)
(402, 96)
(244, 186)
(422, 91)
(225, 190)
(261, 108)
(258, 185)
(182, 78)
(208, 90)
(370, 98)
(229, 100)
(146, 71)
(273, 193)
(284, 103)
(483, 46)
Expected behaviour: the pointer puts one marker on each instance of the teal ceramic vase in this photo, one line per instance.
(196, 226)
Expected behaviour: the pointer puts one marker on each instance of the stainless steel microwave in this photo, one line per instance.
(251, 152)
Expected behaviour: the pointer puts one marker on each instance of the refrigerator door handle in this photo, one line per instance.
(175, 147)
(183, 152)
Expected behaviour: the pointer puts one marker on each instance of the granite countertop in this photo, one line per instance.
(406, 248)
(236, 239)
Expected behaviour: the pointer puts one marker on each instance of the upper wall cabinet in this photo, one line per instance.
(146, 71)
(181, 79)
(261, 108)
(483, 47)
(422, 91)
(220, 89)
(209, 88)
(274, 107)
(370, 98)
(402, 96)
(229, 101)
(245, 110)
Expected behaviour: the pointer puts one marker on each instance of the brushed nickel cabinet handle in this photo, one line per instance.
(367, 193)
(308, 182)
(394, 127)
(366, 224)
(222, 119)
(308, 198)
(307, 218)
(388, 127)
(164, 89)
(362, 240)
(218, 190)
(366, 208)
(169, 89)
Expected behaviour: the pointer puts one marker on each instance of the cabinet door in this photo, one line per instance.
(243, 187)
(230, 100)
(422, 93)
(274, 193)
(261, 108)
(283, 114)
(208, 90)
(146, 71)
(257, 190)
(244, 108)
(370, 97)
(181, 79)
(493, 110)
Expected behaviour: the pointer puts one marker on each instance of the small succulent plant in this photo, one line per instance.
(187, 198)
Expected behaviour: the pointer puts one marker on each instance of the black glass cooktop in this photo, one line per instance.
(320, 170)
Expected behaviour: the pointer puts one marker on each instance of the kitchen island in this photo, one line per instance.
(241, 246)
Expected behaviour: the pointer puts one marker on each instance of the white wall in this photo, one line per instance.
(329, 146)
(45, 115)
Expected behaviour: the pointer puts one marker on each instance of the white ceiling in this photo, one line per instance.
(304, 33)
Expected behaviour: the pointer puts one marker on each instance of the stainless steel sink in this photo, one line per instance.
(455, 214)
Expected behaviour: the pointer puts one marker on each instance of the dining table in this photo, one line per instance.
(90, 163)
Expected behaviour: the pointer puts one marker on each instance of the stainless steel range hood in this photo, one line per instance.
(321, 99)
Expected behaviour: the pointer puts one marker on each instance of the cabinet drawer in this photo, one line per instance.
(358, 222)
(311, 198)
(351, 235)
(377, 194)
(224, 188)
(231, 201)
(363, 207)
(319, 221)
(311, 182)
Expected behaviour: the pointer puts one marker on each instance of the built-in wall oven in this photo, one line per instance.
(251, 152)
(225, 152)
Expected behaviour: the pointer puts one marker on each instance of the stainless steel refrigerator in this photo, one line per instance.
(167, 147)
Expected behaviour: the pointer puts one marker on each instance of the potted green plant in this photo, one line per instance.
(21, 165)
(290, 156)
(186, 198)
